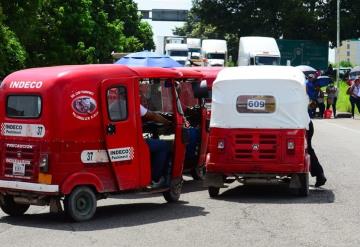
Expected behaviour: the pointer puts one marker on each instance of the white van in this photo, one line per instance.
(215, 52)
(255, 50)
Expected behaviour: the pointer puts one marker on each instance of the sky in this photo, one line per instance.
(165, 28)
(163, 4)
(162, 28)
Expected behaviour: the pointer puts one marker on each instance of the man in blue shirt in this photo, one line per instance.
(311, 92)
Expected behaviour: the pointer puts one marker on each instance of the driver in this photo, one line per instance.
(159, 149)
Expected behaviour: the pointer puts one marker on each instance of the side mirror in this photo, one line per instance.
(200, 89)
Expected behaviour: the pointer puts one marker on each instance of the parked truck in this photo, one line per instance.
(255, 50)
(178, 52)
(162, 41)
(215, 52)
(194, 47)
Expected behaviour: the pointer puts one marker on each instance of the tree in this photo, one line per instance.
(75, 32)
(288, 19)
(12, 54)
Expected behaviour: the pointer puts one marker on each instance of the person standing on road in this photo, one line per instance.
(316, 169)
(311, 92)
(332, 94)
(330, 71)
(354, 92)
(320, 101)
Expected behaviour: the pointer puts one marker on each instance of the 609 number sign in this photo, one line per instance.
(255, 104)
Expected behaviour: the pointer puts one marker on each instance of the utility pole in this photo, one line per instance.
(338, 41)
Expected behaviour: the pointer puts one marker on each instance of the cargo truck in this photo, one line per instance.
(255, 50)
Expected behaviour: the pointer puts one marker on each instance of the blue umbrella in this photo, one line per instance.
(322, 81)
(148, 59)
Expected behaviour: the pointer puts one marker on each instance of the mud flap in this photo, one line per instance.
(214, 180)
(295, 182)
(55, 205)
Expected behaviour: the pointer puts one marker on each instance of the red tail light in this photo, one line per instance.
(290, 146)
(221, 144)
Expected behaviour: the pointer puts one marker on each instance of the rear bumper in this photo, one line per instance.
(256, 168)
(25, 186)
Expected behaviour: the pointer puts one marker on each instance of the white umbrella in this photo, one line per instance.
(355, 69)
(306, 68)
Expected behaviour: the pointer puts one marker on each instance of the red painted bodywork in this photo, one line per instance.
(209, 73)
(240, 154)
(187, 99)
(67, 136)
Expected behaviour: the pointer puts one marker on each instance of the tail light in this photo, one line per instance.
(221, 144)
(44, 163)
(290, 146)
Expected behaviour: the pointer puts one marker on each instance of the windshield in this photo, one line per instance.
(194, 50)
(178, 53)
(267, 60)
(186, 94)
(215, 56)
(156, 95)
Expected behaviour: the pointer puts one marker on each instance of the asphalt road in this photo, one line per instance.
(262, 215)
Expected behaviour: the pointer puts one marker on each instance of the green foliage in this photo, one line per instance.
(288, 19)
(346, 64)
(12, 54)
(56, 32)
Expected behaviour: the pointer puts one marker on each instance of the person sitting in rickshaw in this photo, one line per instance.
(159, 149)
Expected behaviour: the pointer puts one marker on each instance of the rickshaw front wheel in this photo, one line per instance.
(173, 194)
(80, 204)
(213, 191)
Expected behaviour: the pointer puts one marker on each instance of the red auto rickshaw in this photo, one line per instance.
(196, 101)
(62, 140)
(257, 129)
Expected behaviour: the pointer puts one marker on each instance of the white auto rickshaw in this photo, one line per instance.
(258, 128)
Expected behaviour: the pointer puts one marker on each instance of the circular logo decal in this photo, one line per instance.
(84, 105)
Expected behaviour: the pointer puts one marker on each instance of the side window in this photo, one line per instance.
(117, 103)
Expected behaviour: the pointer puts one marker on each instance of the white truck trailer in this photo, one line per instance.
(214, 52)
(255, 50)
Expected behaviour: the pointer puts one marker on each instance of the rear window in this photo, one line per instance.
(255, 104)
(23, 106)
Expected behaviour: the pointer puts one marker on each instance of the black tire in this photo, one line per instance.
(80, 204)
(173, 194)
(304, 189)
(213, 191)
(12, 208)
(198, 173)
